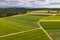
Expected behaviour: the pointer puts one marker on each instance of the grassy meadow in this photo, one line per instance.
(9, 26)
(52, 25)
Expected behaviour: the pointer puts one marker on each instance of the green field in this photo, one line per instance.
(52, 25)
(46, 11)
(14, 27)
(26, 27)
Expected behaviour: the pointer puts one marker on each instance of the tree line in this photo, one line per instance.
(4, 12)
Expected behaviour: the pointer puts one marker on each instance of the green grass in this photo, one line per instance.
(51, 24)
(33, 35)
(52, 27)
(55, 34)
(52, 18)
(15, 24)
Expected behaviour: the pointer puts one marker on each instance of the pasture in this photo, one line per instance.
(23, 27)
(26, 27)
(52, 26)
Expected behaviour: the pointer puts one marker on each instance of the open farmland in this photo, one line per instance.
(21, 28)
(28, 27)
(52, 25)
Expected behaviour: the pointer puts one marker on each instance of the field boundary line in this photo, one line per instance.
(50, 20)
(39, 23)
(18, 33)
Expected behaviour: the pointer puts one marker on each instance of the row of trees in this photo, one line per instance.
(57, 11)
(4, 12)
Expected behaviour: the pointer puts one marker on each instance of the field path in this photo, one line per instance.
(50, 20)
(39, 23)
(18, 33)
